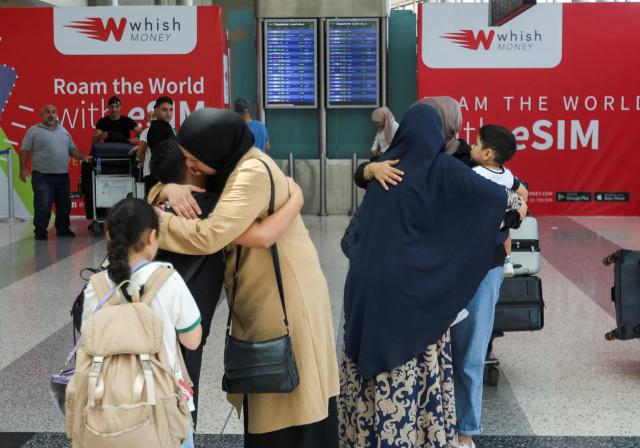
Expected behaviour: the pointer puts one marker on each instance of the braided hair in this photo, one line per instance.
(126, 224)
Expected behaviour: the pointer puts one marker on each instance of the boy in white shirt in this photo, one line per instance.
(495, 146)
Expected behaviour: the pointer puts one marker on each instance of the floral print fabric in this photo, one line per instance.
(411, 406)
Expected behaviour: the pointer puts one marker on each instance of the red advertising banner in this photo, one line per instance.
(564, 78)
(76, 58)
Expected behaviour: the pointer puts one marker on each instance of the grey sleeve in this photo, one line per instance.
(27, 141)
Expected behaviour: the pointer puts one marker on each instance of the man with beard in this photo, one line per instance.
(50, 145)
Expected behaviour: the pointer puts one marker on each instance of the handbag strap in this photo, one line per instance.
(274, 257)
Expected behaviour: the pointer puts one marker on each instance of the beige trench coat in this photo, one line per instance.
(258, 313)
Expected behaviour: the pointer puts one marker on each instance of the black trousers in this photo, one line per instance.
(193, 358)
(205, 286)
(50, 189)
(322, 434)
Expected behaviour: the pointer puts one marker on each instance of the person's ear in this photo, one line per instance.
(107, 235)
(192, 167)
(152, 236)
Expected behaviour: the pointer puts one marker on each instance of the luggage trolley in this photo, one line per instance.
(113, 178)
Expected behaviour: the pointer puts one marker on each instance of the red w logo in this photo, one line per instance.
(467, 39)
(94, 28)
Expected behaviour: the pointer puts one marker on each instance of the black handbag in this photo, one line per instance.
(265, 366)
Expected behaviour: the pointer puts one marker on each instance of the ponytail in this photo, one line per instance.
(126, 225)
(118, 252)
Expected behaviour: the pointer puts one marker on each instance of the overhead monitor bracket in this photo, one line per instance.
(501, 11)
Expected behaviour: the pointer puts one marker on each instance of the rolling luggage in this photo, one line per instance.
(525, 248)
(520, 305)
(625, 293)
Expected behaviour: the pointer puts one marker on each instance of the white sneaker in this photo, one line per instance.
(462, 315)
(507, 269)
(464, 445)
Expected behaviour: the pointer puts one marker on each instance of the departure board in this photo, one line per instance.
(353, 63)
(290, 63)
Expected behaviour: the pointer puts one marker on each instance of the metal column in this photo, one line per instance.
(292, 166)
(383, 59)
(260, 115)
(354, 187)
(322, 123)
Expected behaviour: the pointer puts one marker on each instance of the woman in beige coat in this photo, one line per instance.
(219, 144)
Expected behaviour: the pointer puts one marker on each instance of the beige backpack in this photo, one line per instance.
(124, 392)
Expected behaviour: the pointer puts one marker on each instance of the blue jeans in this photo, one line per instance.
(469, 341)
(49, 189)
(189, 442)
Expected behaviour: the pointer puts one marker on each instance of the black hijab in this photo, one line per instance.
(421, 249)
(219, 139)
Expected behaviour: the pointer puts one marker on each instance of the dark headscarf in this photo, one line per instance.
(219, 139)
(421, 248)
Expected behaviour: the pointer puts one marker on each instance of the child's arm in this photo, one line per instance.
(187, 314)
(265, 233)
(523, 192)
(191, 339)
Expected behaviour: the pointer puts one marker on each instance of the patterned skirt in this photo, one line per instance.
(411, 406)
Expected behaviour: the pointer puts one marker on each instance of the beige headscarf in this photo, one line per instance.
(385, 116)
(451, 117)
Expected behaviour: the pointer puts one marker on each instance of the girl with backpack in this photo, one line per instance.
(119, 417)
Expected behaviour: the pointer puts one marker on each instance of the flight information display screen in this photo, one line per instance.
(353, 63)
(290, 53)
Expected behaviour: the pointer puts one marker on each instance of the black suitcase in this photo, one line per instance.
(625, 293)
(520, 305)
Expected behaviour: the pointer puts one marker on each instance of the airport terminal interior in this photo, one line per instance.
(564, 387)
(567, 380)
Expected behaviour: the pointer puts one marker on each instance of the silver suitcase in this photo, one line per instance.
(525, 248)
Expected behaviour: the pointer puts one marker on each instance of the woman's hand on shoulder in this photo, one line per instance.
(295, 192)
(181, 200)
(385, 173)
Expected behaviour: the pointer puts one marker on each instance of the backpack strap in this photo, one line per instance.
(94, 373)
(101, 284)
(145, 361)
(155, 282)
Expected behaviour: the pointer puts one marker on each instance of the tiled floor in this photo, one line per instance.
(564, 386)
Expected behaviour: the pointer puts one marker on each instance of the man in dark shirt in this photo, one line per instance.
(159, 131)
(160, 128)
(115, 128)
